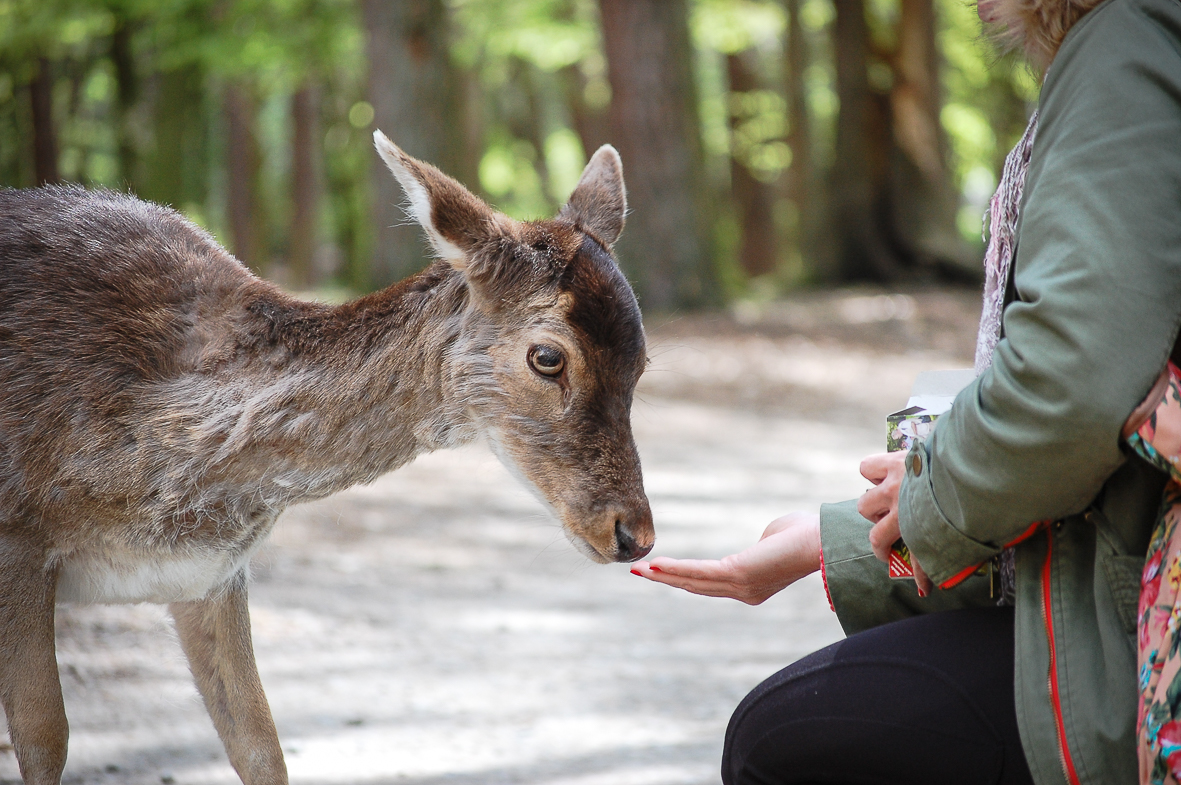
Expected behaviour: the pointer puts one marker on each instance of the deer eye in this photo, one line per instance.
(547, 360)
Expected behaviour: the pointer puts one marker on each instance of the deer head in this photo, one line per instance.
(551, 345)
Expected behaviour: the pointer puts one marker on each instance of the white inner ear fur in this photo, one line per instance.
(418, 199)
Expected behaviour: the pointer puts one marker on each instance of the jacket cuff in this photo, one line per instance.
(824, 580)
(943, 550)
(855, 581)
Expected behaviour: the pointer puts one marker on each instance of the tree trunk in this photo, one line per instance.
(44, 131)
(174, 165)
(470, 137)
(654, 123)
(243, 162)
(861, 219)
(126, 95)
(799, 185)
(915, 97)
(755, 200)
(305, 188)
(413, 88)
(591, 123)
(529, 123)
(923, 190)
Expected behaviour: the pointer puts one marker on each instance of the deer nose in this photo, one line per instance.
(627, 549)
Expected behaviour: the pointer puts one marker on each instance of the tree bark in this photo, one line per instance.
(861, 218)
(305, 187)
(799, 184)
(591, 123)
(924, 195)
(755, 200)
(243, 162)
(44, 130)
(413, 88)
(174, 167)
(915, 97)
(529, 122)
(654, 123)
(126, 95)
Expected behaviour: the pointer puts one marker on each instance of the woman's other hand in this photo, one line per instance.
(788, 550)
(880, 506)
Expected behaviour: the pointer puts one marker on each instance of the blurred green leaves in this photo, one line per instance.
(133, 78)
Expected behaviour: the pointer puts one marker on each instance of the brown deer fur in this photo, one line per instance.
(160, 406)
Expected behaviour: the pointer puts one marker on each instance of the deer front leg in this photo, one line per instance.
(215, 635)
(30, 688)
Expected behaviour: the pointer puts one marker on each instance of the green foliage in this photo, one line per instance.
(138, 102)
(549, 34)
(732, 26)
(986, 100)
(531, 59)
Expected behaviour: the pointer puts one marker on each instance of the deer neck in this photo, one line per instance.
(332, 397)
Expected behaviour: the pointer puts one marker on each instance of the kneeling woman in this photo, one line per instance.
(1028, 471)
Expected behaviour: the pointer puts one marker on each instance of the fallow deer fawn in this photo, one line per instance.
(160, 406)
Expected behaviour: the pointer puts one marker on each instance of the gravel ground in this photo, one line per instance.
(435, 627)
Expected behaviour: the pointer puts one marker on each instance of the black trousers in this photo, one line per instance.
(924, 700)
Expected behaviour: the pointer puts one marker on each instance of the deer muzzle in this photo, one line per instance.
(620, 533)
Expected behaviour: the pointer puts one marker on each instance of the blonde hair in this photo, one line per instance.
(1037, 27)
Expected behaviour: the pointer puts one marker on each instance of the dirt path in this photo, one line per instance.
(436, 627)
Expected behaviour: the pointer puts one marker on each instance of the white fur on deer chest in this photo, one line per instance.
(108, 576)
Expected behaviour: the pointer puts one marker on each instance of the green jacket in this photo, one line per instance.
(1094, 306)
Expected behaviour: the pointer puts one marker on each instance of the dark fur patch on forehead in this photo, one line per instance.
(556, 240)
(524, 258)
(604, 311)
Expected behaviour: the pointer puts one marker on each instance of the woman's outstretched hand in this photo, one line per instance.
(880, 506)
(788, 550)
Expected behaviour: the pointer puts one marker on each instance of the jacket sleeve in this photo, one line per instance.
(859, 587)
(1097, 307)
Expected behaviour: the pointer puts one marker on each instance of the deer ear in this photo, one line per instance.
(455, 221)
(599, 201)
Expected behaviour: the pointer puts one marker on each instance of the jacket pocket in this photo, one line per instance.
(1123, 578)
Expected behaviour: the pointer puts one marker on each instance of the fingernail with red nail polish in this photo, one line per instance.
(654, 568)
(637, 572)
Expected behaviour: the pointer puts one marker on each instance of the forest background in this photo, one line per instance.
(767, 144)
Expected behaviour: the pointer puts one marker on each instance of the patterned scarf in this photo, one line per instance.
(1003, 211)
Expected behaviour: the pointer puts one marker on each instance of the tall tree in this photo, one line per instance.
(860, 218)
(893, 207)
(923, 192)
(798, 180)
(44, 129)
(591, 123)
(915, 94)
(126, 95)
(753, 198)
(654, 123)
(305, 187)
(414, 91)
(175, 161)
(243, 162)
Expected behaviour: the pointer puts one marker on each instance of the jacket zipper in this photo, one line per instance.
(1055, 696)
(1048, 618)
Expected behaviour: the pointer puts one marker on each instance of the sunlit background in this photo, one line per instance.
(766, 144)
(818, 167)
